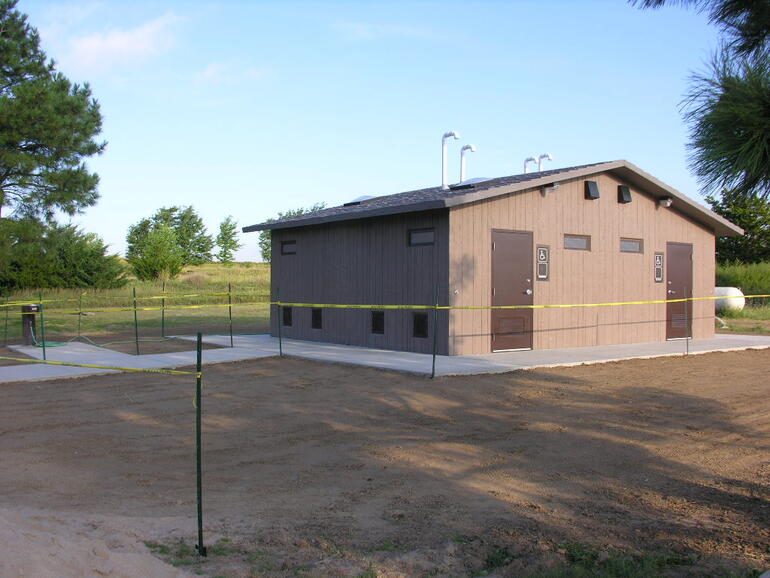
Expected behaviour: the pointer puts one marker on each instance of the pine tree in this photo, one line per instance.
(47, 128)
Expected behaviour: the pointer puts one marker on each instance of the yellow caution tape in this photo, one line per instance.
(126, 298)
(155, 308)
(472, 307)
(113, 367)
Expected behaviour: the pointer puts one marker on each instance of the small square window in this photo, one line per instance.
(378, 322)
(288, 247)
(419, 237)
(577, 242)
(420, 325)
(286, 316)
(316, 318)
(631, 245)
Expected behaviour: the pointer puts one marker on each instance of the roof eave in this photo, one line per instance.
(352, 216)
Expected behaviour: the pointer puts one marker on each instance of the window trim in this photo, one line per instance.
(377, 312)
(287, 243)
(587, 238)
(631, 240)
(410, 232)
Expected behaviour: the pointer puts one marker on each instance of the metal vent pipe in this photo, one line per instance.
(444, 177)
(541, 158)
(527, 161)
(463, 152)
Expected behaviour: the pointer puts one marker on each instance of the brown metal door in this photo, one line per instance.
(678, 286)
(511, 285)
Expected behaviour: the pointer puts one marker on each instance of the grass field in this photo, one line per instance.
(196, 286)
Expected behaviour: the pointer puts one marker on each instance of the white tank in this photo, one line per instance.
(736, 302)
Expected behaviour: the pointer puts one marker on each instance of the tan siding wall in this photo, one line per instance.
(602, 275)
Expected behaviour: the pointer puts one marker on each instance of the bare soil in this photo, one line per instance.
(326, 470)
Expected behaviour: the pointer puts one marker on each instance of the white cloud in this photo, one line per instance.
(364, 31)
(104, 51)
(228, 73)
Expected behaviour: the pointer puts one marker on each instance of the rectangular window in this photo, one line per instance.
(420, 325)
(419, 237)
(288, 247)
(316, 318)
(578, 242)
(286, 316)
(378, 322)
(631, 245)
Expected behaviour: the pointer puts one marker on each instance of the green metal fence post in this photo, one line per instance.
(198, 453)
(136, 325)
(230, 310)
(42, 325)
(435, 332)
(5, 339)
(279, 321)
(163, 311)
(80, 311)
(687, 322)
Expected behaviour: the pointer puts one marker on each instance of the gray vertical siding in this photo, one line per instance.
(366, 261)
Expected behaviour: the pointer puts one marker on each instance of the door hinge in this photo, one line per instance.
(493, 291)
(493, 245)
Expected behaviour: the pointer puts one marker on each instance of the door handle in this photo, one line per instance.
(671, 292)
(528, 292)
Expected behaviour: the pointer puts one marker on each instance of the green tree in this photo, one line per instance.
(189, 231)
(48, 256)
(745, 22)
(227, 240)
(195, 242)
(728, 110)
(159, 255)
(265, 244)
(752, 213)
(47, 128)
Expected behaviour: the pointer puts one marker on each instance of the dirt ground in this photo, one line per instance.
(314, 469)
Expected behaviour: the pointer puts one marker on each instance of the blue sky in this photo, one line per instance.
(250, 108)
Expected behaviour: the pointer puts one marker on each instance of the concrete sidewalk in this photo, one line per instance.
(420, 363)
(84, 353)
(256, 346)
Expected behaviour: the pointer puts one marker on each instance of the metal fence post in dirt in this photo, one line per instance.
(136, 325)
(163, 311)
(42, 325)
(199, 466)
(230, 310)
(279, 321)
(435, 331)
(687, 323)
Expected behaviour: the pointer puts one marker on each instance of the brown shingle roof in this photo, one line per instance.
(436, 198)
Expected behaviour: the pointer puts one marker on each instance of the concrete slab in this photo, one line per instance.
(76, 352)
(257, 346)
(420, 363)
